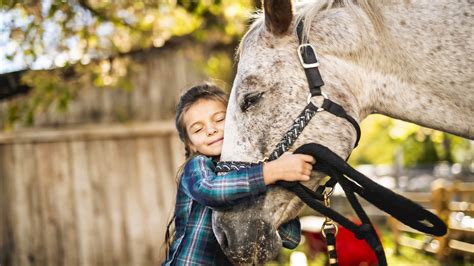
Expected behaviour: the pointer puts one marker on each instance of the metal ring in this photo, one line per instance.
(328, 223)
(308, 100)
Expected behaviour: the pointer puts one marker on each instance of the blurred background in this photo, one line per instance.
(88, 150)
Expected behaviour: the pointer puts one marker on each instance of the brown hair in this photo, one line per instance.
(206, 91)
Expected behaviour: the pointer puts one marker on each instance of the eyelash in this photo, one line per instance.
(217, 120)
(250, 99)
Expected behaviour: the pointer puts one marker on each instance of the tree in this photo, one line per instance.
(90, 39)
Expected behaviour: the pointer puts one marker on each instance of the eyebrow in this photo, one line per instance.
(199, 122)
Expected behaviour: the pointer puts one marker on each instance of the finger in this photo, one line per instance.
(307, 172)
(308, 166)
(305, 178)
(308, 158)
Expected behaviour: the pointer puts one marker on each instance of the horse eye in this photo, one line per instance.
(250, 99)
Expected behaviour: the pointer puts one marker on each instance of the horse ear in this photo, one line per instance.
(278, 15)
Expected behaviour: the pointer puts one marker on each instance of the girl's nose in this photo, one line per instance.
(211, 130)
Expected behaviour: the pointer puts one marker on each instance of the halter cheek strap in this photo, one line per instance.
(310, 63)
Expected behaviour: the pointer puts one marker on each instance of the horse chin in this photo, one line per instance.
(245, 235)
(256, 252)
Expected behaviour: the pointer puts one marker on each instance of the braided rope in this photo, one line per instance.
(295, 130)
(284, 145)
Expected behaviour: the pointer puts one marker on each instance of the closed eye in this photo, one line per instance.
(250, 99)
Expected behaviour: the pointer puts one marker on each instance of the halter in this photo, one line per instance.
(339, 171)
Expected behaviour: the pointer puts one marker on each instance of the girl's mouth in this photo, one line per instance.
(216, 141)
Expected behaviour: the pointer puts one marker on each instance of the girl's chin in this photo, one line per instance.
(215, 150)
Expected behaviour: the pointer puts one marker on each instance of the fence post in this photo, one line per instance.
(441, 198)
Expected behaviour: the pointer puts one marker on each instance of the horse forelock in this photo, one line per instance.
(309, 11)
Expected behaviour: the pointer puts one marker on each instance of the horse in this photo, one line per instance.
(409, 60)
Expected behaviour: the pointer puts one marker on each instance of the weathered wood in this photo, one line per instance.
(26, 212)
(147, 174)
(445, 200)
(85, 188)
(60, 238)
(86, 229)
(89, 132)
(7, 245)
(98, 178)
(157, 76)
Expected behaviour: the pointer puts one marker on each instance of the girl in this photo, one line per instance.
(200, 116)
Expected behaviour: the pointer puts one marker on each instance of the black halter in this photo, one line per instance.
(309, 61)
(339, 171)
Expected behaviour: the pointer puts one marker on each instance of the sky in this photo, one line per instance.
(49, 57)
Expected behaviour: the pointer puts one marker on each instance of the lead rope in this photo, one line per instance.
(352, 181)
(329, 231)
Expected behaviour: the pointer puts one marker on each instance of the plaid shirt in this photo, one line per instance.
(200, 190)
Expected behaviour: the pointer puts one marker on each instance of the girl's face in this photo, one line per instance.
(204, 123)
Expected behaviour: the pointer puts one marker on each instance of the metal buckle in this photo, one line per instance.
(328, 223)
(303, 63)
(308, 100)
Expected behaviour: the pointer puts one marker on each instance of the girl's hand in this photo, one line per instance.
(288, 167)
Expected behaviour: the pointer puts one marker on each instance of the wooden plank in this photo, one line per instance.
(419, 197)
(459, 246)
(466, 230)
(95, 159)
(7, 245)
(176, 151)
(88, 248)
(165, 154)
(48, 219)
(27, 211)
(155, 87)
(134, 209)
(147, 169)
(89, 132)
(113, 182)
(56, 201)
(140, 97)
(456, 206)
(416, 244)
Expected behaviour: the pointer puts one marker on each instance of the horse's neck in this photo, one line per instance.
(439, 108)
(421, 70)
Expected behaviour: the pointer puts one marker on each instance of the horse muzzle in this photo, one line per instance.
(246, 241)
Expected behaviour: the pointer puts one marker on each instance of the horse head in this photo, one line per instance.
(270, 90)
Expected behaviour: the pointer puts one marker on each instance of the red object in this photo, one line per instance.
(353, 251)
(350, 250)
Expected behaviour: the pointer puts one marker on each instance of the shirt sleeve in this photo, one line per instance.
(206, 187)
(290, 233)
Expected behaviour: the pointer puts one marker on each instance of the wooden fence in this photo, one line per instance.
(451, 202)
(90, 195)
(159, 77)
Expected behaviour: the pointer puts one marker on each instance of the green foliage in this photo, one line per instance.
(78, 35)
(89, 28)
(219, 66)
(383, 137)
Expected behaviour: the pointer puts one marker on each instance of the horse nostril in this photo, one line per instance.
(224, 242)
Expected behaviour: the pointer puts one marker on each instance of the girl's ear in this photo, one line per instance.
(192, 147)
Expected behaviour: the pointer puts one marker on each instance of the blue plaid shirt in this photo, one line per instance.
(200, 190)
